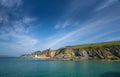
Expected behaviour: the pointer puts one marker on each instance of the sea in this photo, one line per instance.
(27, 67)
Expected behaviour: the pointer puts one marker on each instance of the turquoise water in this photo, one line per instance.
(19, 67)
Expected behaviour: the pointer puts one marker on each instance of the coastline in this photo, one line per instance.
(109, 51)
(53, 59)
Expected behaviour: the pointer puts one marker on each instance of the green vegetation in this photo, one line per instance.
(113, 43)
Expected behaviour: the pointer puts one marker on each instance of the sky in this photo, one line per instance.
(31, 25)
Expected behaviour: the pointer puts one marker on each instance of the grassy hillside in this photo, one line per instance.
(99, 44)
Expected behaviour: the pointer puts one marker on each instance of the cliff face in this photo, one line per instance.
(106, 51)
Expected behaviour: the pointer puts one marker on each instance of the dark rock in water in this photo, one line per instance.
(111, 74)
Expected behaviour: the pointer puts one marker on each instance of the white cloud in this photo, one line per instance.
(63, 25)
(13, 31)
(28, 20)
(25, 40)
(11, 3)
(15, 37)
(10, 11)
(18, 35)
(106, 4)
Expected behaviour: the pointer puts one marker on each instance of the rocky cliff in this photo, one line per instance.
(102, 51)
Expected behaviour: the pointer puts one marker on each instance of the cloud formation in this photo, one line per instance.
(107, 4)
(11, 3)
(17, 34)
(30, 26)
(14, 28)
(81, 33)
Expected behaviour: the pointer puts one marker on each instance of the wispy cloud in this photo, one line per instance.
(17, 34)
(80, 21)
(72, 9)
(28, 19)
(10, 11)
(11, 3)
(88, 28)
(69, 35)
(106, 4)
(63, 25)
(15, 27)
(80, 32)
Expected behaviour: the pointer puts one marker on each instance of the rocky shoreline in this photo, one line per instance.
(98, 51)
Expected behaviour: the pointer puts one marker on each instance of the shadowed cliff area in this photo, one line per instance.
(111, 74)
(97, 51)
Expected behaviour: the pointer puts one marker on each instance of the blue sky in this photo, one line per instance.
(31, 25)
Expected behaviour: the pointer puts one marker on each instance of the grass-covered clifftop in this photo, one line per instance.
(102, 51)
